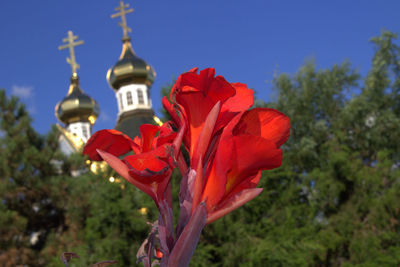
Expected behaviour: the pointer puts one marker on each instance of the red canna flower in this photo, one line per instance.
(149, 168)
(228, 145)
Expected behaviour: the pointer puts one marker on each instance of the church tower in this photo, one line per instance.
(131, 79)
(77, 110)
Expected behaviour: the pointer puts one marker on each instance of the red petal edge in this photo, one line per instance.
(120, 167)
(233, 203)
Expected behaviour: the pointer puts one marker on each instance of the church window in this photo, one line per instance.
(85, 131)
(129, 98)
(140, 97)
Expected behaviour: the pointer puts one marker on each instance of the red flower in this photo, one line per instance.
(228, 145)
(149, 168)
(195, 95)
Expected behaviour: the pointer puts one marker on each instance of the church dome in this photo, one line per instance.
(130, 69)
(77, 106)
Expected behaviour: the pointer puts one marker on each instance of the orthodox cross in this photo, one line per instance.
(123, 11)
(70, 40)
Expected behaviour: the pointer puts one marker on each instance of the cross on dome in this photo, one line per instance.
(123, 11)
(70, 40)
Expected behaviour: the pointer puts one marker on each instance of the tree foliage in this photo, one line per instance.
(336, 198)
(31, 189)
(44, 211)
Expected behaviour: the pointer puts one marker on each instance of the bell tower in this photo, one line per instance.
(77, 111)
(131, 79)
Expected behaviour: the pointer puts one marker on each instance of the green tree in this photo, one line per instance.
(31, 188)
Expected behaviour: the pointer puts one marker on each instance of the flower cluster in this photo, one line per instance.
(228, 143)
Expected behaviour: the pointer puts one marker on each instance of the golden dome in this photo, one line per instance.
(130, 69)
(77, 106)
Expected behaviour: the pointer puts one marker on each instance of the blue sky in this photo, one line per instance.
(246, 41)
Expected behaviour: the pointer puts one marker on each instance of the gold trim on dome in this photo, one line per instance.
(75, 141)
(92, 119)
(77, 106)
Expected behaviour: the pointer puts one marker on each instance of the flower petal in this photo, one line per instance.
(111, 141)
(237, 158)
(215, 183)
(122, 169)
(197, 94)
(166, 134)
(248, 183)
(266, 122)
(148, 133)
(241, 101)
(233, 203)
(205, 135)
(146, 168)
(250, 155)
(148, 176)
(172, 112)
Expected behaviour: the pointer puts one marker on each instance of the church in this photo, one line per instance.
(131, 79)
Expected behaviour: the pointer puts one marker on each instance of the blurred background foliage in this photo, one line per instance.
(335, 201)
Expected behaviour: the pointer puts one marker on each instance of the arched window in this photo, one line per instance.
(129, 98)
(140, 97)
